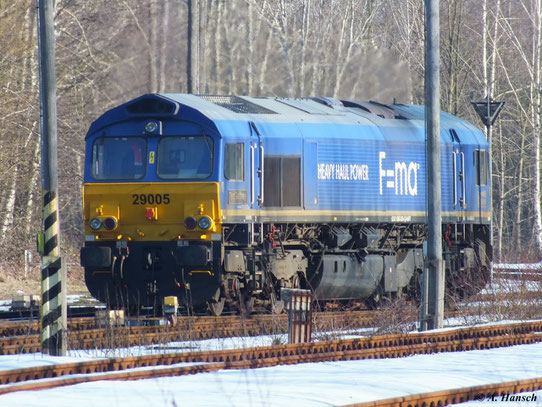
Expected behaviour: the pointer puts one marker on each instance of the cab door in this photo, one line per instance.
(235, 173)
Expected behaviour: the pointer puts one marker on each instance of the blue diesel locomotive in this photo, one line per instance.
(216, 199)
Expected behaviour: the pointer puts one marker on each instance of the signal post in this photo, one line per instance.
(53, 309)
(432, 308)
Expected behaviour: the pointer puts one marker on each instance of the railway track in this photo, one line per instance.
(376, 347)
(511, 296)
(491, 392)
(33, 312)
(18, 338)
(29, 327)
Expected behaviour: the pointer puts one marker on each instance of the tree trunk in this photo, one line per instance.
(519, 201)
(535, 117)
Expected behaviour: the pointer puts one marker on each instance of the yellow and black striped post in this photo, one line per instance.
(53, 294)
(53, 310)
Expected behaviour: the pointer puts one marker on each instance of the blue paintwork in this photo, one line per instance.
(351, 160)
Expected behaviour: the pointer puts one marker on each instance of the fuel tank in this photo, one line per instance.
(342, 277)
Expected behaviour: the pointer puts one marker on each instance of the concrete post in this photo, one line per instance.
(53, 310)
(432, 311)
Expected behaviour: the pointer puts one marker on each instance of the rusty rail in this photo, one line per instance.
(494, 392)
(82, 333)
(352, 349)
(207, 325)
(28, 327)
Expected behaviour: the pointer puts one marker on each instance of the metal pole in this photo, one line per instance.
(192, 55)
(432, 314)
(489, 124)
(189, 50)
(53, 293)
(490, 148)
(488, 111)
(198, 46)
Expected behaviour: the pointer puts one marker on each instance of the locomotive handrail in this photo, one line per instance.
(252, 192)
(261, 175)
(464, 204)
(260, 171)
(454, 172)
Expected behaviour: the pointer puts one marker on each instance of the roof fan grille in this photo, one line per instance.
(236, 104)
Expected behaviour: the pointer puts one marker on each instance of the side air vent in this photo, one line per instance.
(236, 104)
(152, 105)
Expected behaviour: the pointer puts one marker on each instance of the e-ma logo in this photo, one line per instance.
(402, 177)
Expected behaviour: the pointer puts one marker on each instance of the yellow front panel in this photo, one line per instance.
(152, 211)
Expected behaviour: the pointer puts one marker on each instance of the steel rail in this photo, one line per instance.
(152, 335)
(187, 328)
(27, 327)
(323, 320)
(494, 392)
(504, 296)
(352, 349)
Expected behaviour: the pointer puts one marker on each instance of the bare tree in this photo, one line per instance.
(109, 51)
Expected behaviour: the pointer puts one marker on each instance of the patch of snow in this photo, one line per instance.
(316, 384)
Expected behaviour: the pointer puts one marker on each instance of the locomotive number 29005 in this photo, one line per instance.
(150, 199)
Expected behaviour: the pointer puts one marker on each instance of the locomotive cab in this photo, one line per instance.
(151, 207)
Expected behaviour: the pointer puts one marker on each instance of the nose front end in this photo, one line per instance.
(148, 241)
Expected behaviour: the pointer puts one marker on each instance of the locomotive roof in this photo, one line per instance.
(214, 108)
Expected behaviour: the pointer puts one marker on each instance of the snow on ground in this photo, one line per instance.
(317, 384)
(522, 266)
(73, 300)
(505, 285)
(81, 299)
(5, 305)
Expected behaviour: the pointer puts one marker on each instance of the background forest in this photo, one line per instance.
(109, 51)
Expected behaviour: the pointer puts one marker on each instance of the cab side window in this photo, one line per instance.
(234, 158)
(481, 163)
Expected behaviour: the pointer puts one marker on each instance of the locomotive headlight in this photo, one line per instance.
(205, 222)
(190, 223)
(110, 223)
(153, 127)
(95, 223)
